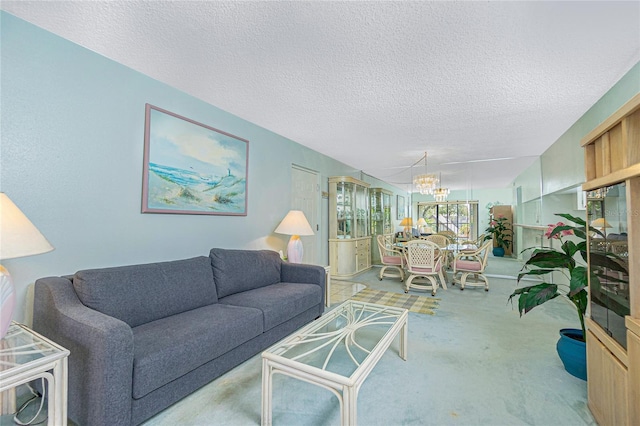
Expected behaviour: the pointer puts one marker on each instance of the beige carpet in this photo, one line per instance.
(419, 304)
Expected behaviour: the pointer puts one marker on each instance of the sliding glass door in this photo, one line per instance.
(459, 217)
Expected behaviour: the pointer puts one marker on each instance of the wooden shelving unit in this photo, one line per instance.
(612, 156)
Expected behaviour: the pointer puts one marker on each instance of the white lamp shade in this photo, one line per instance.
(18, 236)
(422, 222)
(294, 223)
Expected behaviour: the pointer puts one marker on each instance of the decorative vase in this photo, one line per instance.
(573, 352)
(498, 252)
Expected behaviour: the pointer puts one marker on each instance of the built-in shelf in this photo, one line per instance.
(536, 227)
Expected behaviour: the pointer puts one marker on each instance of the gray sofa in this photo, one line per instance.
(143, 337)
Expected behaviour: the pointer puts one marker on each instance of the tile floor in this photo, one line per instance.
(342, 290)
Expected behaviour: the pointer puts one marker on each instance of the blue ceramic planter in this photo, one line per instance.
(498, 252)
(572, 352)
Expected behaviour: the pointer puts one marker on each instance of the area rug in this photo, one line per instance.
(419, 304)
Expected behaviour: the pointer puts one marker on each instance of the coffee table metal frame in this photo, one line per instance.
(357, 315)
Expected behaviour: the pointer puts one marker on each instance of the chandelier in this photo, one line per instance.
(426, 182)
(441, 194)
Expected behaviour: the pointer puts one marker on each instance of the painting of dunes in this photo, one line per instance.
(191, 168)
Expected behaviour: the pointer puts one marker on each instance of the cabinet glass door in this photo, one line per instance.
(362, 211)
(607, 212)
(344, 199)
(380, 212)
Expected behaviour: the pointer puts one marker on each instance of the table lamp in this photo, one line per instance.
(421, 224)
(600, 224)
(18, 238)
(407, 223)
(295, 224)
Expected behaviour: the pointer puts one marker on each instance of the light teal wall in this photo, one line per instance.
(530, 182)
(71, 158)
(561, 166)
(563, 162)
(548, 186)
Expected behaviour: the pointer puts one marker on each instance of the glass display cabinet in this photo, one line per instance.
(612, 167)
(380, 203)
(609, 304)
(349, 226)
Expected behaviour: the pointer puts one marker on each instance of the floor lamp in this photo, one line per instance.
(295, 224)
(18, 238)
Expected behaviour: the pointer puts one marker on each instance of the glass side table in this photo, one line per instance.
(26, 355)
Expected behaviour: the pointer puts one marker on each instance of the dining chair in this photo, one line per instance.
(472, 263)
(478, 242)
(391, 257)
(452, 236)
(442, 242)
(424, 262)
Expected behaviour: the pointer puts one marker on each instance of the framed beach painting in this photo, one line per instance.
(191, 168)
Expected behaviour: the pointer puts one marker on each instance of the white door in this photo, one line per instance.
(305, 196)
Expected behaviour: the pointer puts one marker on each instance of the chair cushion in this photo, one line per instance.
(468, 265)
(392, 260)
(169, 348)
(278, 302)
(427, 270)
(235, 271)
(137, 294)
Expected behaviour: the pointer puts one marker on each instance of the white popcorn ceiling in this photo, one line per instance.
(375, 84)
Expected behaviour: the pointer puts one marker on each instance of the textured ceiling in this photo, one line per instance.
(375, 84)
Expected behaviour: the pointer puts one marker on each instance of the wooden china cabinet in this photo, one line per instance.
(612, 166)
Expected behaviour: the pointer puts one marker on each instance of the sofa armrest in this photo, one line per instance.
(304, 273)
(101, 353)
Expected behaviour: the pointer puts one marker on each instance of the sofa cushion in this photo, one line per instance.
(168, 348)
(138, 294)
(278, 302)
(235, 271)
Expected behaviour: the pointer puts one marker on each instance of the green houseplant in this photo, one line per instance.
(544, 261)
(497, 230)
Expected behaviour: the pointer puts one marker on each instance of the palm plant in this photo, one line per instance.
(545, 261)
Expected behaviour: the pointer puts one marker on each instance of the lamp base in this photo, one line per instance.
(295, 249)
(7, 301)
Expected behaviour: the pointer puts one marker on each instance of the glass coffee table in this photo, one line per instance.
(25, 356)
(336, 352)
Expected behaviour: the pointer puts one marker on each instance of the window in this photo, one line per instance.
(459, 217)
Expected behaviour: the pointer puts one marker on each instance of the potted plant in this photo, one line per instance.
(543, 262)
(497, 231)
